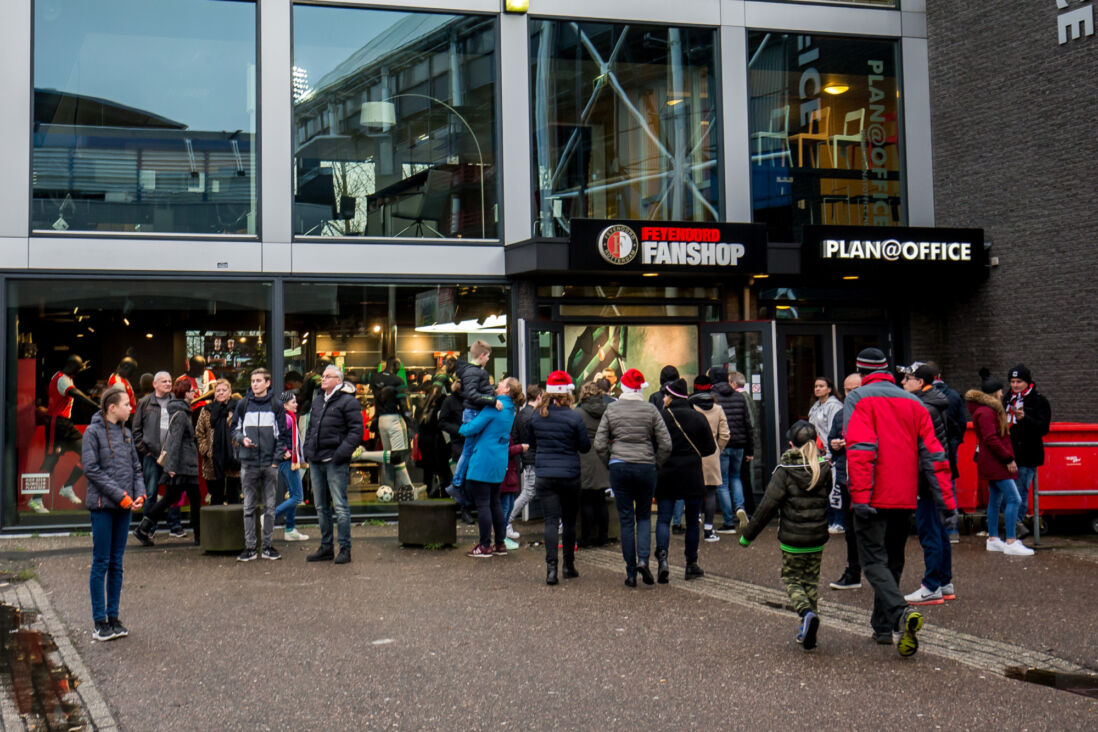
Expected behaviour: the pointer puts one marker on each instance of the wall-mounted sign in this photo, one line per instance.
(866, 249)
(1073, 25)
(657, 246)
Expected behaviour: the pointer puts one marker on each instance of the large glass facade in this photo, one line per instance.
(626, 123)
(394, 124)
(144, 116)
(826, 133)
(65, 343)
(411, 329)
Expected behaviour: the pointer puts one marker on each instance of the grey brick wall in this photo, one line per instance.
(1015, 134)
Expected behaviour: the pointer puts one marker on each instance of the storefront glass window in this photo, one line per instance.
(144, 116)
(70, 340)
(394, 124)
(826, 134)
(609, 350)
(626, 122)
(878, 3)
(409, 330)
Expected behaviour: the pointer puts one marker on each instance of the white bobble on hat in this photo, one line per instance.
(559, 382)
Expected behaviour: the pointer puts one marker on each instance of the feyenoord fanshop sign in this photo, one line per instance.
(656, 246)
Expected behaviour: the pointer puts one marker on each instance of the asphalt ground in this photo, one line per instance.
(431, 639)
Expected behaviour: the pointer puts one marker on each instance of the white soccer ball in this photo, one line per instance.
(385, 493)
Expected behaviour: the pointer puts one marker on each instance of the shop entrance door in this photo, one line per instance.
(544, 342)
(850, 339)
(804, 353)
(749, 348)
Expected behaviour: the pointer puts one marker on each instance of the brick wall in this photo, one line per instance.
(1015, 131)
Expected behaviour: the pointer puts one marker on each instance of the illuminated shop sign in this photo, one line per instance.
(656, 246)
(852, 249)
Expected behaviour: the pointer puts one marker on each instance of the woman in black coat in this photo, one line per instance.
(432, 446)
(681, 477)
(558, 436)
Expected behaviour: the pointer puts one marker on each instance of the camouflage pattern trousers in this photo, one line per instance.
(801, 577)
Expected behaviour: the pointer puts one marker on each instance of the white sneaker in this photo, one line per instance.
(511, 533)
(35, 504)
(836, 529)
(923, 596)
(295, 535)
(67, 492)
(948, 592)
(1018, 549)
(995, 544)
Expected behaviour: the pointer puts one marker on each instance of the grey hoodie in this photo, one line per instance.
(111, 465)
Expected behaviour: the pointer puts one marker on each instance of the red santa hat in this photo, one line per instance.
(633, 380)
(559, 382)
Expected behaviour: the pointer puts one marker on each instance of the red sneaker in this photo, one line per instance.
(479, 552)
(499, 551)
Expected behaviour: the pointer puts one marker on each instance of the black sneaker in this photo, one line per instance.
(883, 639)
(271, 553)
(119, 629)
(676, 529)
(178, 533)
(104, 631)
(143, 537)
(344, 556)
(246, 556)
(323, 554)
(847, 582)
(727, 529)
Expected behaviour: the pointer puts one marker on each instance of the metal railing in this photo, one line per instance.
(1037, 492)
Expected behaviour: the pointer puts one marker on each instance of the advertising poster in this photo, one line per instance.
(593, 349)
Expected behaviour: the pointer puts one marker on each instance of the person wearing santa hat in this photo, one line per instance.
(633, 439)
(558, 436)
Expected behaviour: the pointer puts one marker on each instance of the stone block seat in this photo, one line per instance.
(420, 523)
(223, 528)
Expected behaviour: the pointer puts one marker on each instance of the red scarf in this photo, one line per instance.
(1016, 401)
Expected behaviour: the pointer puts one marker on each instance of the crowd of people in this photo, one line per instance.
(860, 464)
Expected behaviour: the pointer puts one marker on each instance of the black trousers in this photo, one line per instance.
(172, 492)
(560, 501)
(710, 505)
(489, 512)
(595, 518)
(881, 541)
(223, 490)
(853, 563)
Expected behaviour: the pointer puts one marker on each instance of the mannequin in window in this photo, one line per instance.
(124, 375)
(61, 434)
(202, 381)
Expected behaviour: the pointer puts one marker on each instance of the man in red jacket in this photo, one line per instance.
(889, 442)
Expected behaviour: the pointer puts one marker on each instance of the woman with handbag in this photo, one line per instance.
(220, 467)
(179, 459)
(681, 476)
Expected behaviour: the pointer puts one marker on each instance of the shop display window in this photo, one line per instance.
(144, 117)
(394, 124)
(626, 123)
(826, 132)
(411, 331)
(70, 339)
(609, 350)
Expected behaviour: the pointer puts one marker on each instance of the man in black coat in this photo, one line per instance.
(740, 448)
(852, 575)
(335, 430)
(1029, 416)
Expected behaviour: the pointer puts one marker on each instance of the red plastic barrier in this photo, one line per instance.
(1066, 469)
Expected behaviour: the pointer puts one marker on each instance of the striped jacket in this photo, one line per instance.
(890, 442)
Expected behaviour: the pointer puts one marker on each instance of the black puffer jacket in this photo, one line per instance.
(476, 387)
(335, 426)
(180, 446)
(737, 410)
(681, 475)
(802, 511)
(449, 420)
(838, 457)
(1026, 435)
(594, 473)
(937, 403)
(559, 438)
(521, 433)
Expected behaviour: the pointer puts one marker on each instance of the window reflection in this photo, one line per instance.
(394, 119)
(144, 116)
(626, 123)
(826, 140)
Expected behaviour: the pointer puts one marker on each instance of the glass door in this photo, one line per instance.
(850, 339)
(749, 349)
(543, 352)
(805, 352)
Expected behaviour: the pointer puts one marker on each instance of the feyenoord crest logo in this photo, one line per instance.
(618, 244)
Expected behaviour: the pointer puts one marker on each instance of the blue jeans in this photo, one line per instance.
(937, 556)
(1024, 481)
(730, 491)
(110, 528)
(676, 515)
(664, 508)
(633, 485)
(297, 492)
(466, 450)
(998, 492)
(154, 476)
(330, 487)
(507, 504)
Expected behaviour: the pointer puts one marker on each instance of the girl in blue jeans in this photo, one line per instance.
(291, 470)
(115, 487)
